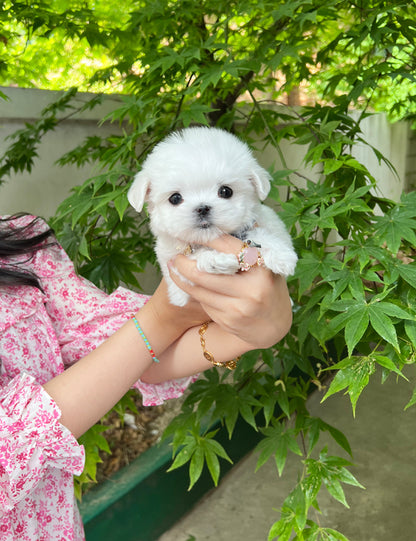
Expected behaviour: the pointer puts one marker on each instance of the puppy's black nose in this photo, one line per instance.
(203, 210)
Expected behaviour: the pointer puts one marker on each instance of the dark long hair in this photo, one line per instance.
(17, 241)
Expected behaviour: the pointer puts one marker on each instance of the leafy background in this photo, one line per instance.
(275, 72)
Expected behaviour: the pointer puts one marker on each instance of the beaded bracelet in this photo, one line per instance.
(209, 356)
(145, 340)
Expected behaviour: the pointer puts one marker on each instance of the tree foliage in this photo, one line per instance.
(233, 65)
(363, 50)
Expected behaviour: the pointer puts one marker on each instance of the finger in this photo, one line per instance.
(228, 285)
(219, 292)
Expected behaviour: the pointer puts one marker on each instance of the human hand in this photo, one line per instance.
(252, 305)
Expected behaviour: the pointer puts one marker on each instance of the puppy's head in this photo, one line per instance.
(199, 183)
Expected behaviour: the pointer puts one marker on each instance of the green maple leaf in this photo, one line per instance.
(277, 442)
(397, 225)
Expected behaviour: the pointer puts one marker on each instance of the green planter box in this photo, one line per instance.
(142, 501)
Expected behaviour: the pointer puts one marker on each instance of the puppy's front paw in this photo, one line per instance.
(216, 262)
(280, 262)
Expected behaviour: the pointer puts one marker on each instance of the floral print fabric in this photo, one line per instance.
(42, 333)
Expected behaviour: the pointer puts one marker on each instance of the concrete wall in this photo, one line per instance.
(41, 191)
(393, 141)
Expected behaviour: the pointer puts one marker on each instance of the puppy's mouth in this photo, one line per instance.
(204, 224)
(202, 231)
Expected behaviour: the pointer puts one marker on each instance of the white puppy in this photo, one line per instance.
(198, 184)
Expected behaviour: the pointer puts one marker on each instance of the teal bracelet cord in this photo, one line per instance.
(145, 340)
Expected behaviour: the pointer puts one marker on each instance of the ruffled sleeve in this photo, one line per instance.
(155, 394)
(31, 440)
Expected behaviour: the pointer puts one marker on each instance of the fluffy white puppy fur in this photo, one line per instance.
(199, 183)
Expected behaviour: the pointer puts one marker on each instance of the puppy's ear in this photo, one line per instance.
(138, 191)
(261, 181)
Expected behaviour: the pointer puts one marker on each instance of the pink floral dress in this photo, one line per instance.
(42, 333)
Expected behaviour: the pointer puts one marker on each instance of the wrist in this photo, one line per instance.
(160, 326)
(163, 323)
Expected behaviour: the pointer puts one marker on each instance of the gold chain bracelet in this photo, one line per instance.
(209, 356)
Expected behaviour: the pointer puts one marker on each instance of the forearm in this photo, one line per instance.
(91, 387)
(185, 357)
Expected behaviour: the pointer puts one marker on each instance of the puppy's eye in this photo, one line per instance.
(225, 192)
(175, 199)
